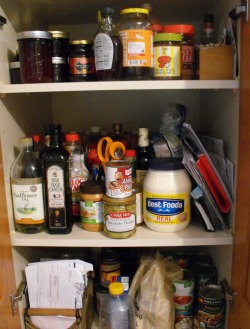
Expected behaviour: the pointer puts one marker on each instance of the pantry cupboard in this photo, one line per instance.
(217, 108)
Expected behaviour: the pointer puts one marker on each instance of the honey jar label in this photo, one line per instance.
(137, 48)
(167, 62)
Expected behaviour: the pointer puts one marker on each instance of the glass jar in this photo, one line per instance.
(60, 69)
(15, 75)
(119, 217)
(187, 48)
(35, 53)
(137, 39)
(60, 43)
(81, 61)
(167, 56)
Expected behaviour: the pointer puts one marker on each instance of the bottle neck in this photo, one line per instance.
(107, 24)
(55, 140)
(27, 148)
(143, 141)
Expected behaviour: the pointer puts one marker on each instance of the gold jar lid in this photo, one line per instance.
(60, 34)
(81, 42)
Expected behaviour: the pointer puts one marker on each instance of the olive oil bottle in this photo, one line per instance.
(56, 184)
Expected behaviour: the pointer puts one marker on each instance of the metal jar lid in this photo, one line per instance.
(81, 42)
(58, 60)
(34, 35)
(14, 65)
(60, 34)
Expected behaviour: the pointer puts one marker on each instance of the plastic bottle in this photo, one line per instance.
(155, 24)
(137, 188)
(77, 175)
(117, 309)
(56, 181)
(27, 191)
(92, 160)
(208, 30)
(143, 155)
(108, 48)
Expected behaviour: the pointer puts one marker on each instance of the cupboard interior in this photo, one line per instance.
(212, 112)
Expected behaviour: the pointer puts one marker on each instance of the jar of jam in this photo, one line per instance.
(167, 56)
(60, 69)
(81, 61)
(136, 33)
(35, 54)
(187, 48)
(60, 43)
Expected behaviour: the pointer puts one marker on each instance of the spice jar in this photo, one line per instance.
(35, 53)
(91, 205)
(81, 61)
(187, 48)
(15, 75)
(60, 69)
(60, 43)
(135, 31)
(167, 56)
(119, 217)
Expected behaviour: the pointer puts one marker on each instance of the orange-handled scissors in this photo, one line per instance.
(107, 149)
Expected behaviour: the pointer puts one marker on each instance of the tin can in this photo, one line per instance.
(118, 179)
(110, 265)
(211, 310)
(183, 299)
(119, 217)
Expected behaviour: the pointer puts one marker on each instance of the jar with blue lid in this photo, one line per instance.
(166, 195)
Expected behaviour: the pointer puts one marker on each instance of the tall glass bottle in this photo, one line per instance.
(143, 155)
(208, 30)
(108, 48)
(118, 134)
(56, 181)
(27, 190)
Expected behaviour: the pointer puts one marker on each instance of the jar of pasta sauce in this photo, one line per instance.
(166, 195)
(35, 54)
(167, 56)
(119, 217)
(81, 61)
(187, 48)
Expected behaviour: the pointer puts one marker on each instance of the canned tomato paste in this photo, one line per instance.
(118, 178)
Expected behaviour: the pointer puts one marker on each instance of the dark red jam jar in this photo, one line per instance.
(35, 54)
(60, 43)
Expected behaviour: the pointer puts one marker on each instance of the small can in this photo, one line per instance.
(81, 61)
(110, 266)
(184, 300)
(211, 309)
(118, 179)
(119, 217)
(167, 56)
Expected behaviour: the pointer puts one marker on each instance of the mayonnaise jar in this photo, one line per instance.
(166, 195)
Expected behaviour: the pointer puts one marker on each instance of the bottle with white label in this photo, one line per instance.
(108, 48)
(27, 190)
(56, 181)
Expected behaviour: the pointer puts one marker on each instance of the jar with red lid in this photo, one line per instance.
(35, 53)
(81, 61)
(187, 48)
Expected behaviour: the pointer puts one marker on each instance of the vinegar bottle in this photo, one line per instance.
(143, 154)
(56, 180)
(108, 48)
(27, 190)
(116, 309)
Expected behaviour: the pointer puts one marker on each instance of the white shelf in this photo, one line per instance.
(118, 85)
(193, 235)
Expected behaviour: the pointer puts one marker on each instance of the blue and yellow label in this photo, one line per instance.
(166, 209)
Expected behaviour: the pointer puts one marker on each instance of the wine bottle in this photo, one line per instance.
(27, 190)
(56, 180)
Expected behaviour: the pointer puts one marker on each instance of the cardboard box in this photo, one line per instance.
(216, 63)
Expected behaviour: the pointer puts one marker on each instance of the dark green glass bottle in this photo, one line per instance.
(56, 180)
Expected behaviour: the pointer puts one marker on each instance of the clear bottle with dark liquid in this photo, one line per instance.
(108, 48)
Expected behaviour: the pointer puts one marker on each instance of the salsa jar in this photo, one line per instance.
(35, 54)
(119, 217)
(187, 48)
(81, 61)
(137, 39)
(167, 56)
